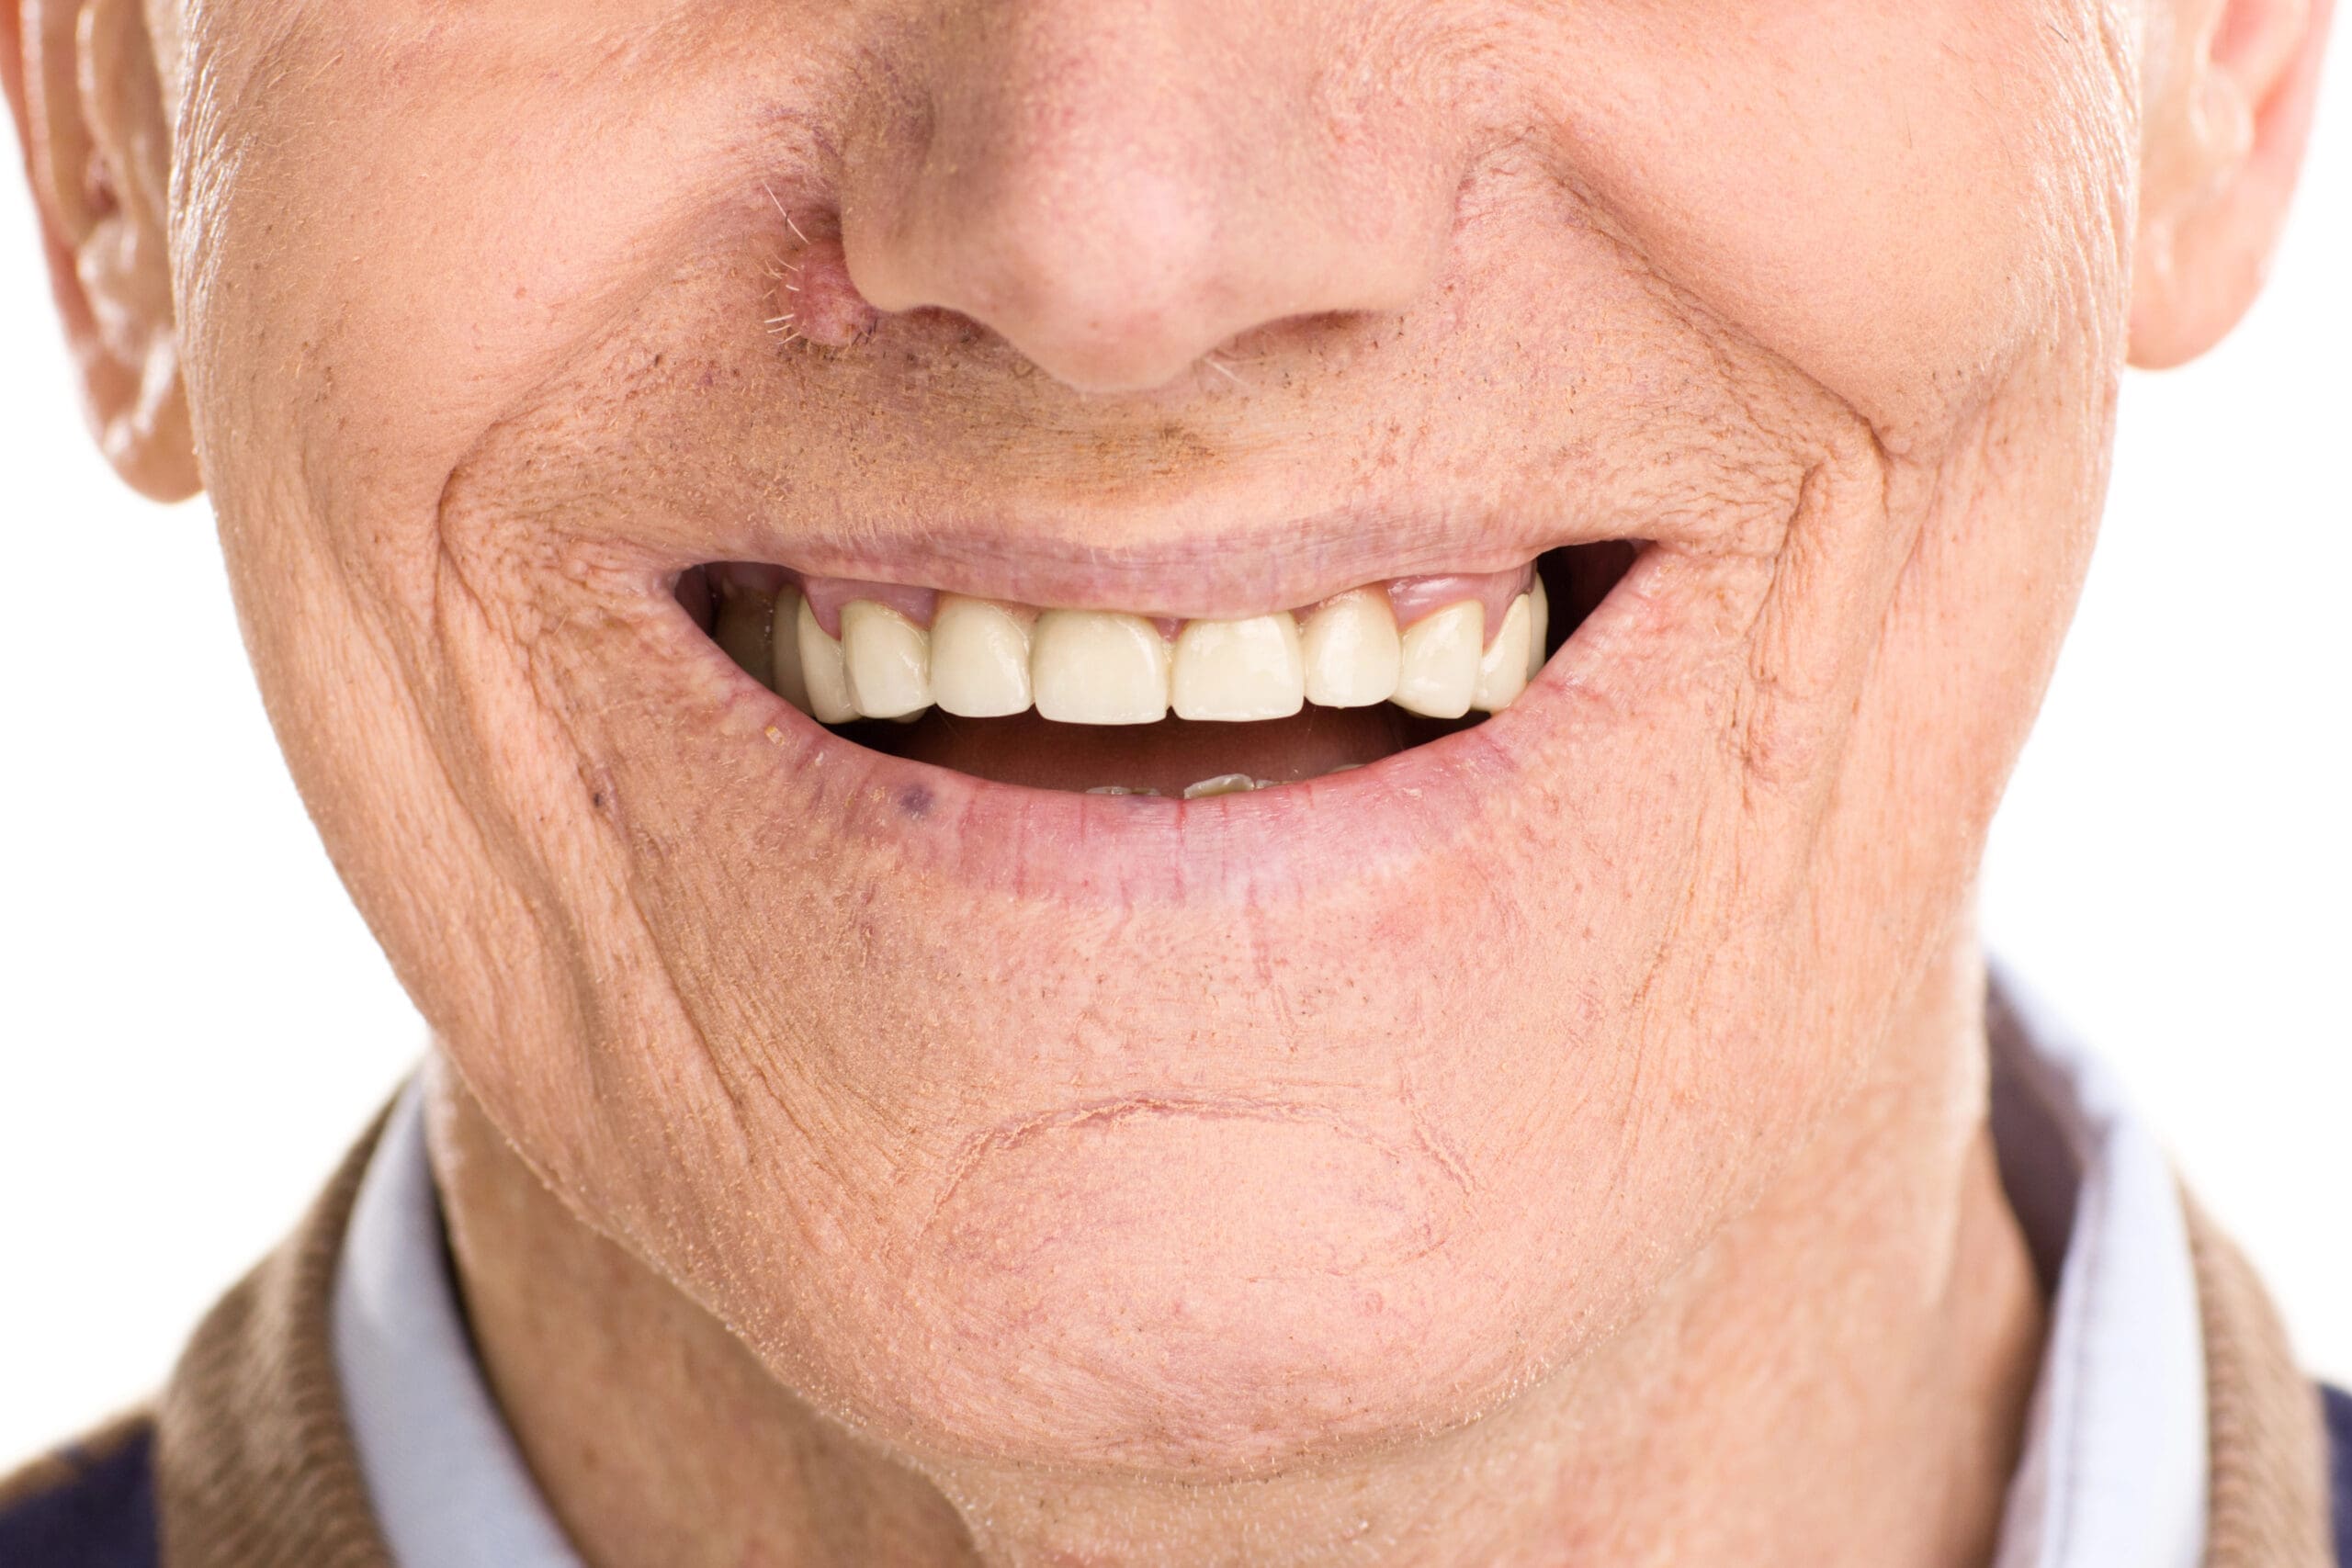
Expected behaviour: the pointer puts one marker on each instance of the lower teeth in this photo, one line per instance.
(1225, 783)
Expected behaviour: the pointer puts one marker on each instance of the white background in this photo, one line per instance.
(194, 1022)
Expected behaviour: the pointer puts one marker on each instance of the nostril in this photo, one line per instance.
(1112, 305)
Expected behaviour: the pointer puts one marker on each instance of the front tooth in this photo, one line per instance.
(887, 658)
(1239, 670)
(1098, 666)
(1351, 649)
(784, 648)
(1438, 671)
(979, 658)
(823, 671)
(1502, 669)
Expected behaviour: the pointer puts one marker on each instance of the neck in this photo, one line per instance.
(1839, 1378)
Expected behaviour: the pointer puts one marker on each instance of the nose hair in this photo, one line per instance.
(1117, 187)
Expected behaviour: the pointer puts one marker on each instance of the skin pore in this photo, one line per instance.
(1562, 1144)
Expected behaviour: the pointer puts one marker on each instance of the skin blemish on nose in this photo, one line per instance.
(815, 299)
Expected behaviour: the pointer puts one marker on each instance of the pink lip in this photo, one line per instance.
(1094, 849)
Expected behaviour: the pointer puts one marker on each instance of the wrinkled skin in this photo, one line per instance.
(1260, 1147)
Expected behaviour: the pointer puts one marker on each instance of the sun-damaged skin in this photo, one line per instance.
(1561, 1142)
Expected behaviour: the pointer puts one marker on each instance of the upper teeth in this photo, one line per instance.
(888, 658)
(1098, 667)
(1437, 674)
(1503, 668)
(981, 659)
(814, 662)
(1239, 669)
(1351, 651)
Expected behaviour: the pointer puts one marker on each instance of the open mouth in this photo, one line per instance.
(1134, 704)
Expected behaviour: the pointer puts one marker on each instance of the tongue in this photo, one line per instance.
(1165, 757)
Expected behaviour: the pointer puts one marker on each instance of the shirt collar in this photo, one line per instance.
(2114, 1469)
(449, 1485)
(2115, 1463)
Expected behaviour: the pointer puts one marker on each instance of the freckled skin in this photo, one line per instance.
(1522, 1188)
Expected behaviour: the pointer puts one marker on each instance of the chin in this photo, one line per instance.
(1209, 1289)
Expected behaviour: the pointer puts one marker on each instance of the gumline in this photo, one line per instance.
(1410, 599)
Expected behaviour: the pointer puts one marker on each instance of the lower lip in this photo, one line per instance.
(1291, 840)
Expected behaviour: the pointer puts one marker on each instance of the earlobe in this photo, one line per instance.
(2228, 113)
(81, 77)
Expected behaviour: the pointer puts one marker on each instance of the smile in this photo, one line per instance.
(1140, 704)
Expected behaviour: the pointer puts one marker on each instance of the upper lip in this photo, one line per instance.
(1216, 571)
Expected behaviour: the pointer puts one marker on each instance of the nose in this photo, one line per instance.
(1115, 187)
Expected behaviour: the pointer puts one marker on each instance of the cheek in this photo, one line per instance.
(399, 218)
(1894, 198)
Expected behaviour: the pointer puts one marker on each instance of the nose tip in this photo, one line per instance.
(1118, 285)
(1114, 213)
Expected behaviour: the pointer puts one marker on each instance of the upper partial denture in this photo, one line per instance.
(841, 650)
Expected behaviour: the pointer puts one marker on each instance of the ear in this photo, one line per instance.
(81, 83)
(2228, 111)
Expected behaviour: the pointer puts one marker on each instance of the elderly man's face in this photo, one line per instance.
(1006, 1119)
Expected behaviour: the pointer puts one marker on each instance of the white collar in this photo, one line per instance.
(2115, 1464)
(2114, 1470)
(449, 1485)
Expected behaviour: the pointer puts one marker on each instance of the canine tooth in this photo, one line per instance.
(1352, 650)
(979, 658)
(823, 671)
(1223, 784)
(784, 648)
(742, 631)
(888, 658)
(1239, 670)
(1438, 671)
(1539, 624)
(1098, 667)
(1502, 669)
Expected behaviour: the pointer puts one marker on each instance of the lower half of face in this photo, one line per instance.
(1151, 928)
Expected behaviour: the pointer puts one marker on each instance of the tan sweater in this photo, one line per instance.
(255, 1466)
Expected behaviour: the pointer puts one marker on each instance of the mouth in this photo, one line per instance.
(1134, 704)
